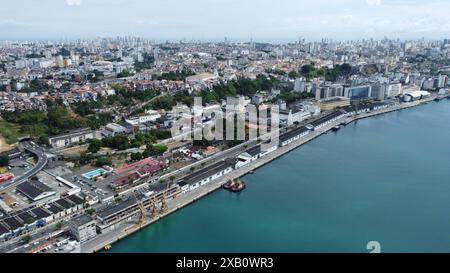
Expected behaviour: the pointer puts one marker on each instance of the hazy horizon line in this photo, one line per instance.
(217, 39)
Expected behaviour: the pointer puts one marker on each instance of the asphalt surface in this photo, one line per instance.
(42, 161)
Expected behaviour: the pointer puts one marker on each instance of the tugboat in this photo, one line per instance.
(336, 128)
(228, 185)
(235, 186)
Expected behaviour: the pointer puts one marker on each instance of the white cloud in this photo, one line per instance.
(73, 2)
(373, 2)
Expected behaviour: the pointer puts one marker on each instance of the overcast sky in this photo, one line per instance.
(269, 20)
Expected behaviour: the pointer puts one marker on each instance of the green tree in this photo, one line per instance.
(27, 238)
(90, 211)
(102, 161)
(43, 140)
(293, 74)
(85, 158)
(59, 225)
(4, 160)
(157, 149)
(94, 145)
(124, 73)
(136, 156)
(118, 142)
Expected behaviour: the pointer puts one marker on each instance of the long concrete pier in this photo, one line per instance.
(126, 229)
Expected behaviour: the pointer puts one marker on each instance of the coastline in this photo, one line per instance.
(98, 243)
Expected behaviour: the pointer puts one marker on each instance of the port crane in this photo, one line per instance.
(153, 206)
(164, 206)
(142, 212)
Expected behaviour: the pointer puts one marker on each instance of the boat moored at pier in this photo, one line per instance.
(336, 128)
(235, 185)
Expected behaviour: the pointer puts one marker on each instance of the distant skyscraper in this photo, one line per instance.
(155, 56)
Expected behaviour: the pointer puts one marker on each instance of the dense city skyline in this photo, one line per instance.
(264, 20)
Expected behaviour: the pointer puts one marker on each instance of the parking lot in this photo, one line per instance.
(98, 187)
(19, 166)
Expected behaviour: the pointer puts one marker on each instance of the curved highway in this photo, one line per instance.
(42, 161)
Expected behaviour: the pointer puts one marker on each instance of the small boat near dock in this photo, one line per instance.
(441, 97)
(336, 128)
(235, 185)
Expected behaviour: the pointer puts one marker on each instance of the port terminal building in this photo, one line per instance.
(212, 172)
(327, 119)
(114, 215)
(293, 135)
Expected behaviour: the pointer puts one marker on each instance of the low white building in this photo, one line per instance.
(113, 129)
(209, 174)
(135, 121)
(248, 156)
(289, 117)
(416, 95)
(254, 153)
(330, 118)
(73, 138)
(293, 135)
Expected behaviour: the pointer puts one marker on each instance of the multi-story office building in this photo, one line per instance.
(329, 91)
(83, 228)
(357, 92)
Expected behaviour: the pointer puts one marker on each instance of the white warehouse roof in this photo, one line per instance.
(416, 94)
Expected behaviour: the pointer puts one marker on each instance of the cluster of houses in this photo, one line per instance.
(10, 102)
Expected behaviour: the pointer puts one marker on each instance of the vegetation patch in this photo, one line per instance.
(9, 132)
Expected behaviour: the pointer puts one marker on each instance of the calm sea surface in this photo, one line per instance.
(385, 179)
